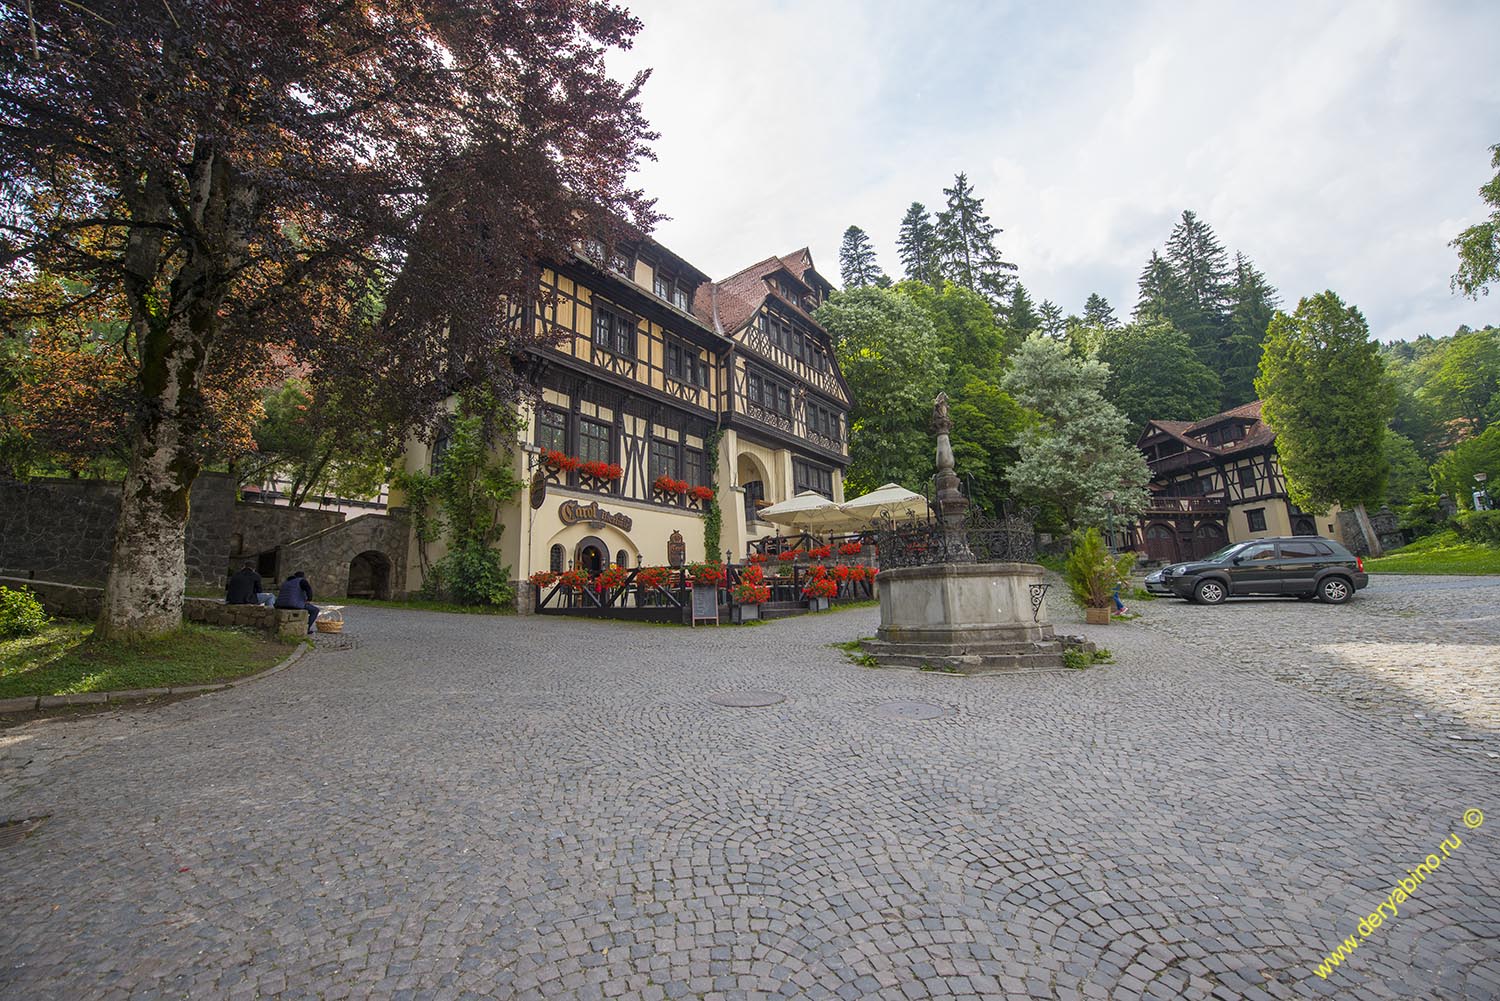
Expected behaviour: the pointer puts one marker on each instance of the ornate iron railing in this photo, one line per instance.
(1009, 538)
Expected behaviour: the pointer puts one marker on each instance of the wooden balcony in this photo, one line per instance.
(1208, 504)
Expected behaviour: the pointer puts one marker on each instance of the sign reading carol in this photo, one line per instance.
(571, 513)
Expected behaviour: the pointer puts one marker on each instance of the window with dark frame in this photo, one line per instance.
(693, 467)
(614, 331)
(684, 365)
(1256, 518)
(807, 476)
(440, 448)
(663, 459)
(555, 558)
(552, 430)
(595, 441)
(1247, 479)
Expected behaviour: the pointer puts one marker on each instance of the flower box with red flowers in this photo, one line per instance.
(757, 559)
(821, 553)
(601, 471)
(543, 579)
(653, 577)
(612, 577)
(821, 587)
(786, 556)
(574, 580)
(707, 573)
(560, 462)
(666, 485)
(850, 549)
(842, 573)
(702, 493)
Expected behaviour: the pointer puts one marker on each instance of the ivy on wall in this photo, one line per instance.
(713, 517)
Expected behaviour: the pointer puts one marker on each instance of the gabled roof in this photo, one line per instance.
(740, 296)
(1258, 435)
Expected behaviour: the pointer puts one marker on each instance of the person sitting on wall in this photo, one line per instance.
(244, 588)
(296, 592)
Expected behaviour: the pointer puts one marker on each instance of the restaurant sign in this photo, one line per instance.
(573, 512)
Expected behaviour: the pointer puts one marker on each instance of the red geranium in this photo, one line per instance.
(842, 572)
(758, 558)
(561, 461)
(611, 578)
(850, 549)
(787, 556)
(649, 577)
(708, 573)
(665, 484)
(821, 587)
(703, 493)
(574, 580)
(821, 553)
(544, 578)
(602, 470)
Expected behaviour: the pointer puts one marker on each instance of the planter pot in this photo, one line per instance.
(817, 604)
(746, 613)
(1096, 616)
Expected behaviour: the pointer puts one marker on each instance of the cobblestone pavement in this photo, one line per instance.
(1419, 652)
(467, 806)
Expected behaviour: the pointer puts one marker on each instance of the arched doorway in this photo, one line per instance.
(1209, 537)
(751, 477)
(1161, 543)
(592, 556)
(1303, 525)
(369, 576)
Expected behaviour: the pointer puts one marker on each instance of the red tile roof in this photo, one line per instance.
(1258, 434)
(739, 296)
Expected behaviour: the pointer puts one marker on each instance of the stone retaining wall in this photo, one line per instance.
(72, 601)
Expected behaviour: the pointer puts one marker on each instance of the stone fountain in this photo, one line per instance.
(959, 594)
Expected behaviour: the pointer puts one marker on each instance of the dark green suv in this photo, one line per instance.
(1300, 566)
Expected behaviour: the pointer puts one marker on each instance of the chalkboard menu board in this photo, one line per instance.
(706, 603)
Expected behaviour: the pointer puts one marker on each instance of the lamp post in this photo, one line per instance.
(1109, 520)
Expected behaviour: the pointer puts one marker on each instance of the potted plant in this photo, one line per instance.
(610, 578)
(543, 579)
(1093, 573)
(707, 573)
(574, 580)
(818, 591)
(749, 594)
(702, 493)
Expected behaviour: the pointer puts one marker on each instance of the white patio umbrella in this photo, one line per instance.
(889, 501)
(806, 512)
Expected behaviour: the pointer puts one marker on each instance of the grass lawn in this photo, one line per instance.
(1443, 553)
(64, 660)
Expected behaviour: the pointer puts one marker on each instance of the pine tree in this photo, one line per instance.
(1159, 293)
(966, 243)
(1050, 319)
(1097, 312)
(857, 262)
(1252, 303)
(918, 247)
(1201, 265)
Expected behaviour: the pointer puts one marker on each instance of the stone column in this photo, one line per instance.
(952, 506)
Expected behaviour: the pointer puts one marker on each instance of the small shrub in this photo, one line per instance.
(21, 614)
(1478, 526)
(1076, 660)
(1093, 572)
(474, 575)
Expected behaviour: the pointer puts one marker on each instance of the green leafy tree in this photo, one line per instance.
(1154, 374)
(1479, 246)
(888, 351)
(987, 428)
(1326, 396)
(1466, 383)
(1097, 312)
(1453, 473)
(917, 245)
(1078, 457)
(966, 244)
(318, 443)
(970, 339)
(1409, 474)
(1252, 303)
(857, 264)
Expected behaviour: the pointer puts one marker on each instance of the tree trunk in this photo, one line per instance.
(1372, 541)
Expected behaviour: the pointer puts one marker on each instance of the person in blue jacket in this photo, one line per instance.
(296, 592)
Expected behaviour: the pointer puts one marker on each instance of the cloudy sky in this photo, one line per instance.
(1338, 145)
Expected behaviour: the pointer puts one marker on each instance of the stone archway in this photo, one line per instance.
(754, 481)
(369, 576)
(591, 555)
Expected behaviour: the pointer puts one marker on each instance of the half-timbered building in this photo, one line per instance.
(1214, 482)
(653, 362)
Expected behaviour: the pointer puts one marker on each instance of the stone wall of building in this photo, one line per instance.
(63, 529)
(326, 557)
(261, 527)
(1385, 523)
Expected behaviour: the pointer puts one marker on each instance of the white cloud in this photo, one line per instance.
(1338, 145)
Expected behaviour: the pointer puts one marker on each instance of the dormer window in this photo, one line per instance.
(673, 290)
(621, 264)
(593, 249)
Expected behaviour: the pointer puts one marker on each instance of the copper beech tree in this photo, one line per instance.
(250, 177)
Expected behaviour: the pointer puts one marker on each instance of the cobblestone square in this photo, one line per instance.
(488, 807)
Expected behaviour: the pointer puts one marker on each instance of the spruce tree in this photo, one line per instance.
(1252, 303)
(917, 245)
(1158, 292)
(1050, 319)
(1097, 312)
(1020, 315)
(857, 262)
(1201, 265)
(966, 243)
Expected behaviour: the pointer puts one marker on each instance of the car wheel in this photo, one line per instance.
(1335, 590)
(1210, 592)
